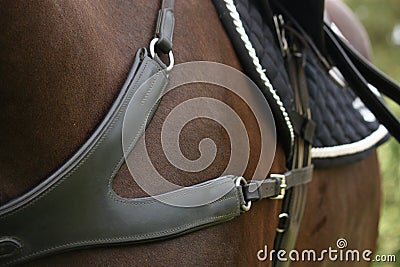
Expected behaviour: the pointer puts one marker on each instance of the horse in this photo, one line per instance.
(63, 64)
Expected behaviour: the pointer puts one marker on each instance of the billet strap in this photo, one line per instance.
(294, 202)
(359, 73)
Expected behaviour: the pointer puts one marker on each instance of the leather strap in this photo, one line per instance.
(76, 207)
(353, 67)
(295, 199)
(271, 187)
(373, 75)
(165, 26)
(358, 73)
(303, 126)
(70, 208)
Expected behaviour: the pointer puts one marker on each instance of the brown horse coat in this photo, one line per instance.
(62, 63)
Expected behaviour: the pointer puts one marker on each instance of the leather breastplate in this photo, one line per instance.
(76, 207)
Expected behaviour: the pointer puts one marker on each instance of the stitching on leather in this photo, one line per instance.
(131, 202)
(133, 142)
(91, 152)
(111, 192)
(121, 160)
(139, 237)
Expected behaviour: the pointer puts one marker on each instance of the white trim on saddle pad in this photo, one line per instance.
(256, 62)
(352, 148)
(317, 152)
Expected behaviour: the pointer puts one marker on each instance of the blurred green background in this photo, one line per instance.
(381, 18)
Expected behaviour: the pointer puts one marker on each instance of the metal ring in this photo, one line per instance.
(239, 181)
(282, 216)
(170, 54)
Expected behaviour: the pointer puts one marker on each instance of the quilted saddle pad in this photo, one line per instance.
(346, 130)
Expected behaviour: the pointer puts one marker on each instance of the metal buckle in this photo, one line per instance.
(282, 186)
(239, 182)
(337, 76)
(281, 34)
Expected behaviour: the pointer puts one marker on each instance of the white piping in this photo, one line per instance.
(316, 152)
(256, 62)
(348, 149)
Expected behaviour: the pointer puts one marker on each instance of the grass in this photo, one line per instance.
(379, 18)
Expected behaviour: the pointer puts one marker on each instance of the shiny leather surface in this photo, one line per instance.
(76, 207)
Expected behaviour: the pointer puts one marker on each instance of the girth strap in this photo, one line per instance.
(293, 193)
(294, 202)
(359, 73)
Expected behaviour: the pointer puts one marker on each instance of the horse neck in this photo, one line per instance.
(62, 63)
